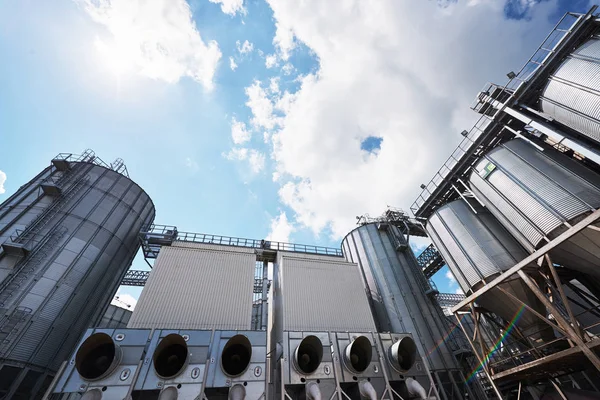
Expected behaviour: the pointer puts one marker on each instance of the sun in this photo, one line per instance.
(115, 57)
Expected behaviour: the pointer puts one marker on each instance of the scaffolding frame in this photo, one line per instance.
(534, 362)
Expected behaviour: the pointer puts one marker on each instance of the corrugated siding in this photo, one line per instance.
(571, 95)
(212, 247)
(321, 294)
(194, 288)
(474, 246)
(533, 193)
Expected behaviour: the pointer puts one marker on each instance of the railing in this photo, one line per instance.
(155, 236)
(88, 156)
(467, 152)
(135, 278)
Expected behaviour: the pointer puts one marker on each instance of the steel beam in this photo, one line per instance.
(529, 259)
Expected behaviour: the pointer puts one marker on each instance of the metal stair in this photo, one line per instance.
(23, 269)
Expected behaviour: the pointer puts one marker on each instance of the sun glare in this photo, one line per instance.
(115, 57)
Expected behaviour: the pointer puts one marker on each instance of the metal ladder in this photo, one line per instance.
(11, 325)
(33, 229)
(27, 266)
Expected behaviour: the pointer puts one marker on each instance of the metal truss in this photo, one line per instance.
(511, 356)
(430, 261)
(446, 300)
(135, 278)
(395, 217)
(154, 237)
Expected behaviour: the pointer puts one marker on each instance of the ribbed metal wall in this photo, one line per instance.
(114, 317)
(195, 286)
(477, 248)
(537, 195)
(80, 241)
(397, 289)
(322, 294)
(572, 94)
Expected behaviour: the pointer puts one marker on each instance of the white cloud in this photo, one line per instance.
(274, 85)
(255, 159)
(459, 291)
(383, 72)
(450, 277)
(154, 38)
(232, 64)
(284, 39)
(2, 180)
(288, 69)
(124, 300)
(261, 106)
(231, 7)
(281, 228)
(239, 133)
(271, 61)
(244, 48)
(191, 164)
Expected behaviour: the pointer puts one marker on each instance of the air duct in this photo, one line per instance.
(308, 355)
(97, 357)
(236, 355)
(358, 354)
(403, 354)
(171, 356)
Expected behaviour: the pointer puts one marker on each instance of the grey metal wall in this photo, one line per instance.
(397, 290)
(196, 286)
(114, 317)
(321, 293)
(80, 241)
(572, 94)
(537, 195)
(477, 248)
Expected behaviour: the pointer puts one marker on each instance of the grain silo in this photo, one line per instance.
(537, 195)
(68, 237)
(572, 93)
(399, 297)
(477, 248)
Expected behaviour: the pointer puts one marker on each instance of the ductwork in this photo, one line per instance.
(237, 392)
(169, 393)
(313, 392)
(236, 356)
(403, 354)
(358, 354)
(415, 389)
(367, 390)
(171, 356)
(308, 355)
(97, 357)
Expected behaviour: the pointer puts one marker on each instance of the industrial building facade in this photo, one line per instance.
(514, 214)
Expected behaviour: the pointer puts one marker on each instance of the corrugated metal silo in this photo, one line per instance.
(477, 248)
(68, 237)
(399, 295)
(538, 195)
(572, 94)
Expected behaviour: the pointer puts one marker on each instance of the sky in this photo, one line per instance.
(257, 118)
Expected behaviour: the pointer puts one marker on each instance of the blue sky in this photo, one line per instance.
(255, 118)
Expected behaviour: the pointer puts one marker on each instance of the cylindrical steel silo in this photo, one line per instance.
(68, 236)
(399, 295)
(537, 195)
(572, 93)
(477, 248)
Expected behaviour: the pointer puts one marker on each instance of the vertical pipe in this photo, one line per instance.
(265, 289)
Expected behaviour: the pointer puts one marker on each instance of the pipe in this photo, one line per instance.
(415, 388)
(94, 394)
(308, 355)
(169, 393)
(358, 354)
(170, 357)
(97, 357)
(312, 391)
(367, 390)
(237, 392)
(236, 356)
